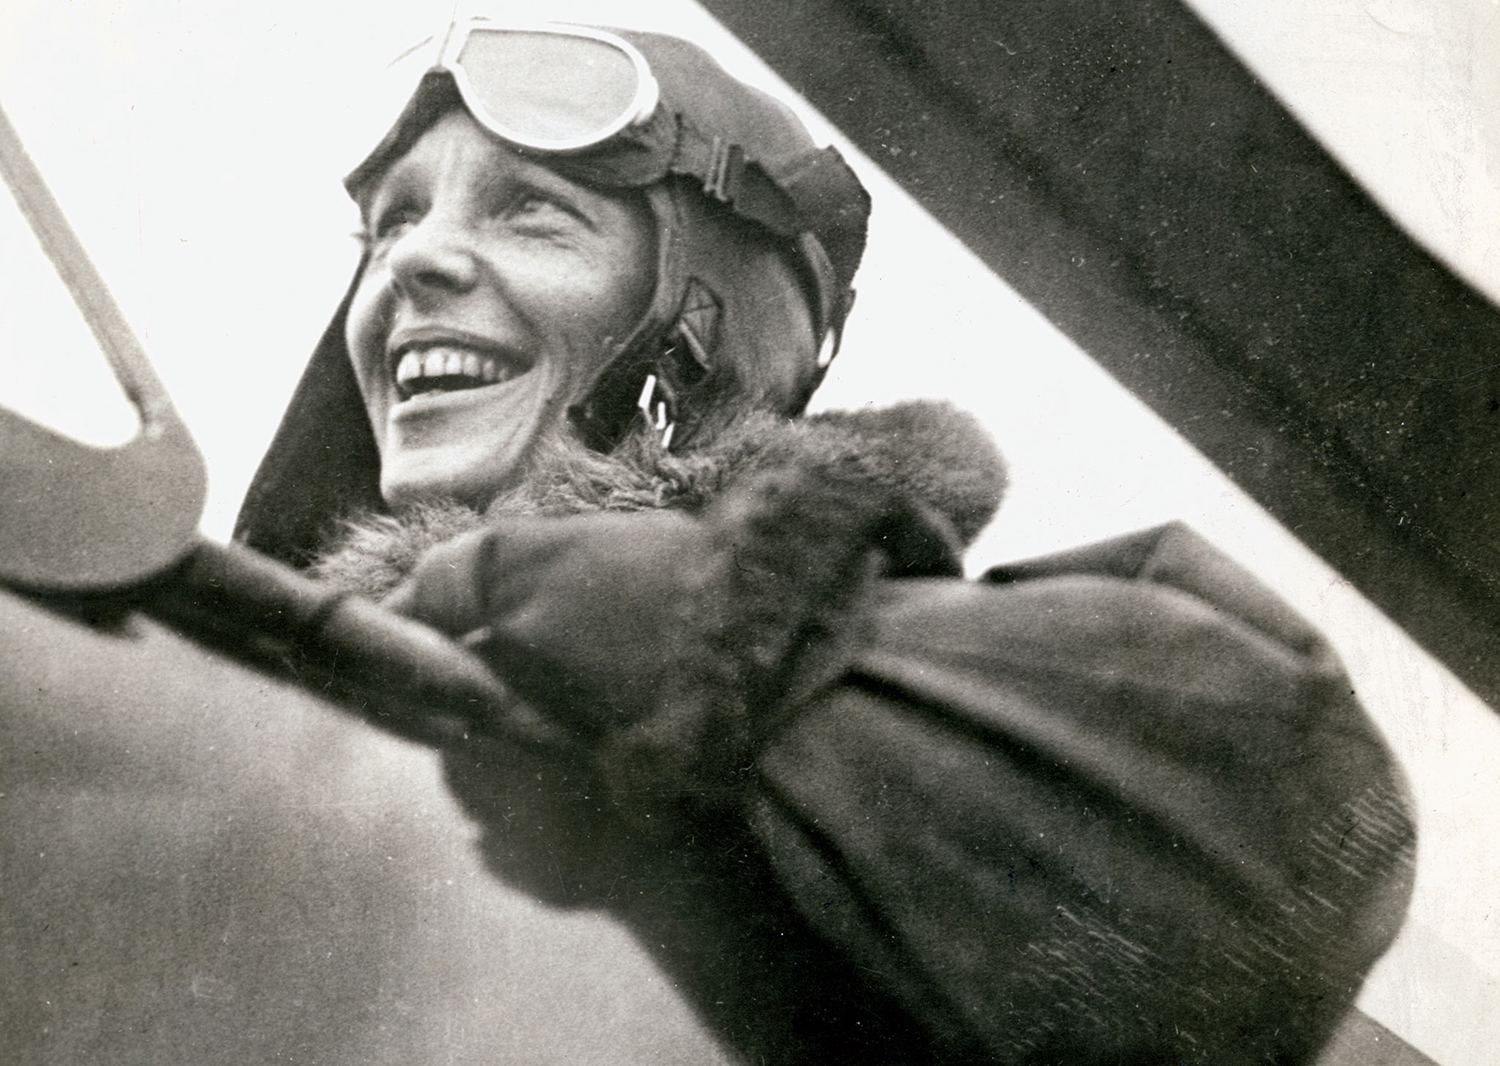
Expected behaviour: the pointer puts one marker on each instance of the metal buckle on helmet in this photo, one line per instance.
(658, 412)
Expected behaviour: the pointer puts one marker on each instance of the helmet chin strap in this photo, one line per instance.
(670, 371)
(659, 369)
(656, 411)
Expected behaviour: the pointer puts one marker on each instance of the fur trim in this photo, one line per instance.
(928, 453)
(794, 551)
(374, 553)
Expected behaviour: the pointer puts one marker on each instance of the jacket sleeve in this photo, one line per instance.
(1113, 807)
(1118, 806)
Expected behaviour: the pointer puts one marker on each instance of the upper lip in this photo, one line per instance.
(418, 338)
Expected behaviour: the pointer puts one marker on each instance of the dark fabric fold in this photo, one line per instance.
(1086, 815)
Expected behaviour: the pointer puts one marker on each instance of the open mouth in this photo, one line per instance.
(450, 368)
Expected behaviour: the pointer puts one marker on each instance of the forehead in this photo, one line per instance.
(456, 146)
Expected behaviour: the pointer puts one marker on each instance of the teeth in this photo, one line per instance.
(445, 362)
(409, 369)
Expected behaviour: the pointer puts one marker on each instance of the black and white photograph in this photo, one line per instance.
(750, 532)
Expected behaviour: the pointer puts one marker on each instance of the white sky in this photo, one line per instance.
(197, 147)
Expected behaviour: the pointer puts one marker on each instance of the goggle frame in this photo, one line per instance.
(644, 102)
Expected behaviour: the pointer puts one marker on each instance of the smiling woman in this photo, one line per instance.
(494, 292)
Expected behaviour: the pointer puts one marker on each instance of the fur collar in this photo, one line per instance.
(926, 452)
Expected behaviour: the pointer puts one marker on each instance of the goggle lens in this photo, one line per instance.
(552, 90)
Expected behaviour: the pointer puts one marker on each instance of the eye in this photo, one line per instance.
(541, 212)
(389, 221)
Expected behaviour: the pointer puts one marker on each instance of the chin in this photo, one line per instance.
(460, 472)
(471, 445)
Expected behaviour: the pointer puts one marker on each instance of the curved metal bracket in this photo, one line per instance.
(75, 518)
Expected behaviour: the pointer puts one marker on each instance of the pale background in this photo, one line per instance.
(196, 147)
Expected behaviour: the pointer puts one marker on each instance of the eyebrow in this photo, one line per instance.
(395, 173)
(528, 173)
(372, 190)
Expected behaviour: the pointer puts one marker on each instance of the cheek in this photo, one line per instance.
(610, 296)
(602, 308)
(364, 336)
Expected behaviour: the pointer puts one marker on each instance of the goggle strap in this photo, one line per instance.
(813, 196)
(730, 178)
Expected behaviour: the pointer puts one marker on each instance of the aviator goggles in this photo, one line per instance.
(550, 89)
(584, 96)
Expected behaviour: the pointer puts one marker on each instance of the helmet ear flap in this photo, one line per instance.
(672, 397)
(832, 302)
(733, 326)
(663, 372)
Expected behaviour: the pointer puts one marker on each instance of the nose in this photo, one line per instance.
(433, 257)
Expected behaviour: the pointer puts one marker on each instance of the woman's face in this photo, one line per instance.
(495, 290)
